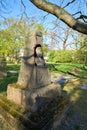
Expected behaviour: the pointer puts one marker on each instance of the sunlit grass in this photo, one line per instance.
(79, 97)
(15, 67)
(65, 67)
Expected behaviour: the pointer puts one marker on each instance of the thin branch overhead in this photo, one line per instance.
(24, 9)
(2, 17)
(72, 1)
(83, 17)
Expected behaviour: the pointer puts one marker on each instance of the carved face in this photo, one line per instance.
(38, 51)
(39, 60)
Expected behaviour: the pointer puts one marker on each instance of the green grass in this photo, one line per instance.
(10, 78)
(74, 92)
(15, 67)
(61, 67)
(79, 97)
(6, 81)
(65, 67)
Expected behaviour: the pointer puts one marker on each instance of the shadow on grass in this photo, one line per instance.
(4, 82)
(77, 117)
(66, 67)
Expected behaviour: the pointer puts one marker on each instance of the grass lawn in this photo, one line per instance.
(65, 67)
(57, 68)
(78, 115)
(11, 78)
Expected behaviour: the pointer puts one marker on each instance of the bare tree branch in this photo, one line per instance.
(69, 3)
(83, 17)
(61, 14)
(3, 17)
(24, 10)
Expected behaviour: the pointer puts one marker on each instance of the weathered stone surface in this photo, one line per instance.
(43, 77)
(33, 72)
(49, 115)
(27, 98)
(13, 118)
(14, 94)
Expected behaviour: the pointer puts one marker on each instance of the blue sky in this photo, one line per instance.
(13, 8)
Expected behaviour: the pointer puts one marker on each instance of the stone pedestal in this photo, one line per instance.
(28, 98)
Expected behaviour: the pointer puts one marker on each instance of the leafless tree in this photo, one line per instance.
(63, 15)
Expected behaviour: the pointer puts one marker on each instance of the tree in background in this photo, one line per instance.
(60, 56)
(82, 50)
(70, 12)
(61, 38)
(13, 35)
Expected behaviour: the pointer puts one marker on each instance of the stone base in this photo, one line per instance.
(17, 118)
(28, 98)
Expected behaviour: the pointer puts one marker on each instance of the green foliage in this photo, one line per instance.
(39, 27)
(81, 55)
(45, 49)
(13, 36)
(61, 56)
(51, 56)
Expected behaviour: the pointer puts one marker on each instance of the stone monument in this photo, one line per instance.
(34, 78)
(33, 72)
